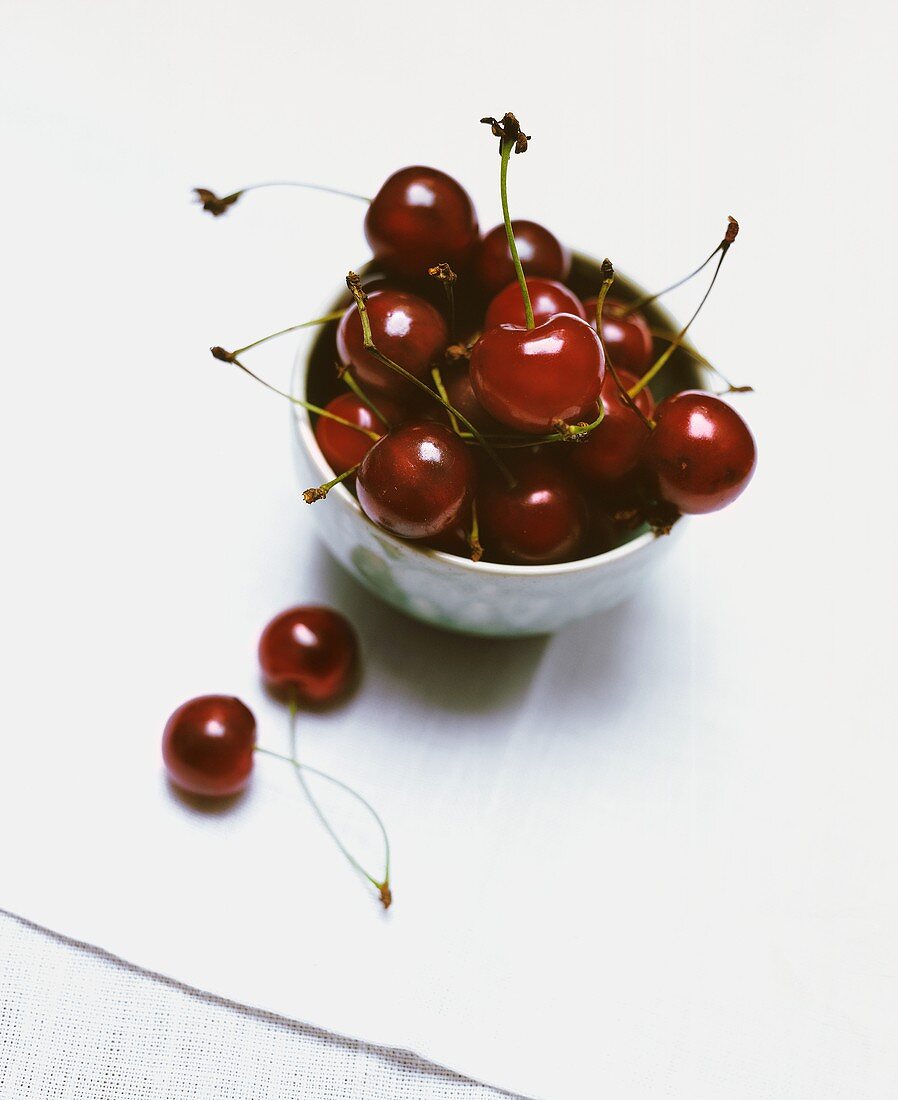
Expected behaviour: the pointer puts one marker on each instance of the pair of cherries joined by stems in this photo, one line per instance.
(511, 420)
(308, 657)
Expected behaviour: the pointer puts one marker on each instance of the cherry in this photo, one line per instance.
(547, 298)
(615, 447)
(405, 328)
(421, 217)
(530, 378)
(457, 381)
(207, 745)
(541, 519)
(416, 480)
(701, 452)
(345, 447)
(628, 339)
(308, 654)
(540, 251)
(455, 540)
(602, 534)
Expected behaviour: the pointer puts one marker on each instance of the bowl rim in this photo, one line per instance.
(302, 420)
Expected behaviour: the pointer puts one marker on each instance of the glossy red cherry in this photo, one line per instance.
(460, 391)
(454, 540)
(309, 654)
(540, 251)
(344, 447)
(404, 327)
(628, 340)
(615, 448)
(547, 297)
(416, 480)
(701, 451)
(207, 745)
(421, 217)
(541, 519)
(529, 378)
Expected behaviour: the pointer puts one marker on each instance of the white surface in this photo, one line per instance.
(78, 1024)
(650, 855)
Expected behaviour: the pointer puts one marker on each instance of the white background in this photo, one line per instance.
(653, 855)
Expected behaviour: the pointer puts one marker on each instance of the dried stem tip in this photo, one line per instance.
(507, 128)
(224, 356)
(443, 272)
(311, 495)
(354, 285)
(607, 269)
(571, 433)
(732, 230)
(457, 352)
(212, 203)
(386, 895)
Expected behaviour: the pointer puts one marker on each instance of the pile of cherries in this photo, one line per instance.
(486, 410)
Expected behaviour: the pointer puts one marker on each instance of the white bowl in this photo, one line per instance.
(453, 592)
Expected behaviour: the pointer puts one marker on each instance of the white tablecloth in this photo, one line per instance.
(79, 1024)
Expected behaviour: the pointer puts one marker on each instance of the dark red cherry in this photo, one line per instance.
(615, 448)
(404, 327)
(528, 379)
(701, 452)
(540, 251)
(460, 391)
(628, 340)
(421, 217)
(345, 447)
(547, 297)
(602, 534)
(309, 654)
(416, 480)
(207, 745)
(454, 540)
(541, 519)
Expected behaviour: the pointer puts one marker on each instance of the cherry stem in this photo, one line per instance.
(607, 280)
(647, 299)
(445, 274)
(441, 390)
(217, 206)
(355, 288)
(474, 543)
(731, 387)
(230, 357)
(319, 492)
(347, 377)
(382, 885)
(677, 340)
(334, 316)
(506, 150)
(567, 433)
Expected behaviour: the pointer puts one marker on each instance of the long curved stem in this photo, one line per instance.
(668, 352)
(335, 315)
(217, 206)
(507, 147)
(729, 236)
(668, 337)
(647, 299)
(382, 885)
(607, 280)
(306, 187)
(374, 436)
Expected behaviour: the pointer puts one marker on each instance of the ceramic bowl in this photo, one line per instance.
(453, 592)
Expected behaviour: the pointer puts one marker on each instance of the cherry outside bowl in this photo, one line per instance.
(452, 592)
